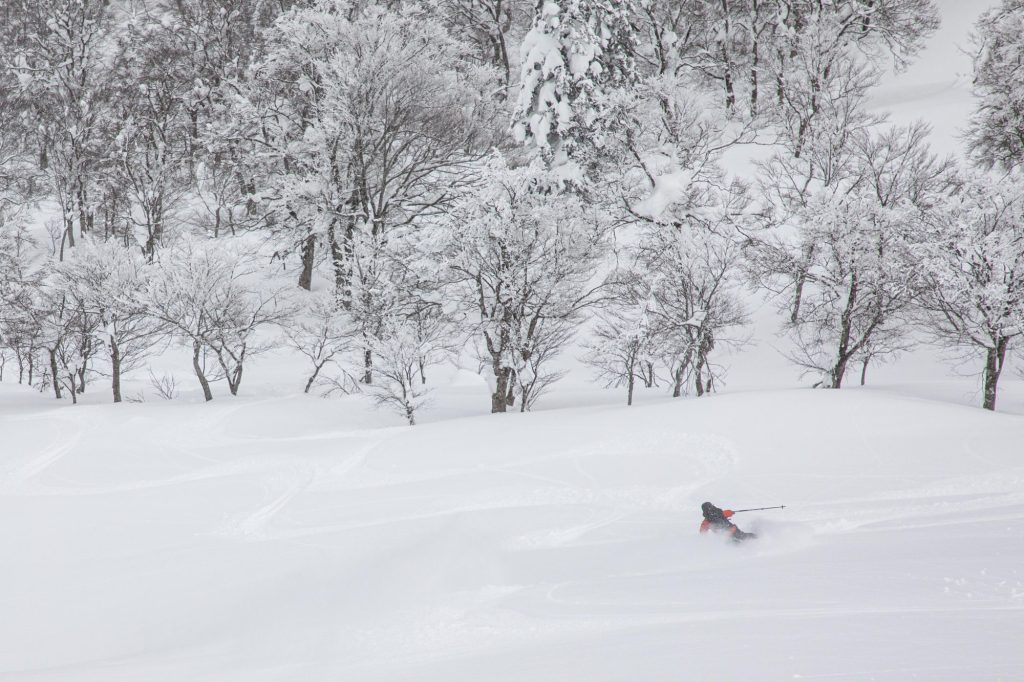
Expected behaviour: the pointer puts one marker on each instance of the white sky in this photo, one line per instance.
(936, 88)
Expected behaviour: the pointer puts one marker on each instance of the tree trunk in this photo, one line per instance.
(54, 376)
(83, 219)
(845, 331)
(342, 278)
(647, 374)
(115, 369)
(308, 254)
(706, 344)
(864, 371)
(235, 379)
(69, 228)
(368, 367)
(755, 57)
(312, 378)
(510, 395)
(994, 358)
(197, 366)
(730, 94)
(630, 384)
(801, 280)
(677, 382)
(499, 398)
(839, 372)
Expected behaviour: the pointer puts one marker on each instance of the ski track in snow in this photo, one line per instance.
(295, 478)
(16, 475)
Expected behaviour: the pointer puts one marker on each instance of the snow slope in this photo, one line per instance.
(298, 539)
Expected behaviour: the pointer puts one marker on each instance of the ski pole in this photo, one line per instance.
(737, 511)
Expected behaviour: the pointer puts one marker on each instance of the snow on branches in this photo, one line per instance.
(578, 53)
(996, 130)
(522, 256)
(972, 259)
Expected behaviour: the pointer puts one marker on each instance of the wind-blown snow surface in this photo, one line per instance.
(280, 540)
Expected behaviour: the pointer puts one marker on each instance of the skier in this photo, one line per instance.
(717, 520)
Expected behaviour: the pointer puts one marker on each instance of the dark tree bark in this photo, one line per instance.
(502, 381)
(510, 395)
(730, 94)
(994, 358)
(115, 369)
(801, 281)
(54, 375)
(368, 367)
(312, 378)
(677, 382)
(308, 254)
(198, 368)
(235, 379)
(845, 331)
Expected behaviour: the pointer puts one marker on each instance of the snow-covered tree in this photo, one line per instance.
(622, 342)
(152, 152)
(206, 50)
(404, 348)
(522, 257)
(995, 135)
(61, 53)
(368, 119)
(858, 280)
(214, 297)
(494, 28)
(765, 56)
(21, 269)
(573, 60)
(972, 259)
(845, 264)
(69, 331)
(322, 332)
(695, 276)
(108, 280)
(19, 181)
(686, 251)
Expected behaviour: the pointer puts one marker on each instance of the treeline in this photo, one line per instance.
(382, 184)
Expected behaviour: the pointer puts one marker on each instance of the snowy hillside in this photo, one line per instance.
(289, 539)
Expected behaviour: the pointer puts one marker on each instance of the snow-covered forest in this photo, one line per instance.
(385, 187)
(246, 244)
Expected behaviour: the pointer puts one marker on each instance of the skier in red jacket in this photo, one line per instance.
(717, 520)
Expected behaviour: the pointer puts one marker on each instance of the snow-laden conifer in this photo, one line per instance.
(575, 57)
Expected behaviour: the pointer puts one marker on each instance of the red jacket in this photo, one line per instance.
(705, 525)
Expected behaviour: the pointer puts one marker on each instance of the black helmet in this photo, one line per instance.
(711, 512)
